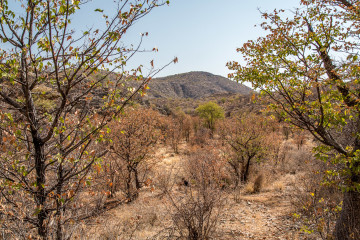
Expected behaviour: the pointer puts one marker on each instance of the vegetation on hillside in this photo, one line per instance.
(193, 85)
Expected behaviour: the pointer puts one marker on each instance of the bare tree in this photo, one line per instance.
(197, 209)
(174, 133)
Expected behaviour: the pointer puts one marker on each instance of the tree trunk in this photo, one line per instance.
(59, 229)
(128, 185)
(238, 177)
(246, 171)
(348, 224)
(137, 181)
(40, 196)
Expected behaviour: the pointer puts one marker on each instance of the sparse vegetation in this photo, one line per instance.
(247, 142)
(183, 186)
(84, 155)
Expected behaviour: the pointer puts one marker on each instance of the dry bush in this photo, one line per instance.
(278, 186)
(254, 185)
(292, 159)
(196, 123)
(185, 123)
(196, 209)
(139, 220)
(201, 136)
(300, 139)
(187, 128)
(165, 181)
(125, 230)
(258, 183)
(286, 132)
(133, 141)
(161, 125)
(317, 205)
(173, 133)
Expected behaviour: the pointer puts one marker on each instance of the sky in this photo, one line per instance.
(203, 34)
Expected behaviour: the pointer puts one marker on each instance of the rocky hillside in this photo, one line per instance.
(193, 85)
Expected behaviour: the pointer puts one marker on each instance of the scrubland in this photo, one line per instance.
(197, 183)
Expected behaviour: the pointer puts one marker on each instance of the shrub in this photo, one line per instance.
(196, 210)
(258, 183)
(317, 205)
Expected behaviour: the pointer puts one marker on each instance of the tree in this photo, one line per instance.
(210, 112)
(133, 139)
(185, 123)
(51, 80)
(173, 132)
(247, 137)
(308, 66)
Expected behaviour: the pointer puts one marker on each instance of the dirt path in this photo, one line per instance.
(259, 216)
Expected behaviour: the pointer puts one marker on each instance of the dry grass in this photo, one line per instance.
(139, 220)
(277, 186)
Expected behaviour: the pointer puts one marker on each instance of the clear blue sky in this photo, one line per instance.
(203, 34)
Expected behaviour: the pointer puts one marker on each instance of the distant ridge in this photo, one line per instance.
(194, 85)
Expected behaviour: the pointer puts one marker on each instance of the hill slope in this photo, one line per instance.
(193, 85)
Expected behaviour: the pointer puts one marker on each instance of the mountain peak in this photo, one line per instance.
(194, 85)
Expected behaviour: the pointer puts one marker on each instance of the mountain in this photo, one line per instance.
(193, 85)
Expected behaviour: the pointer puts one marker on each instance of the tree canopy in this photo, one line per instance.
(59, 87)
(308, 66)
(210, 112)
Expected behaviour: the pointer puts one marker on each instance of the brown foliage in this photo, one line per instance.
(248, 138)
(174, 133)
(133, 139)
